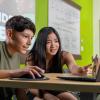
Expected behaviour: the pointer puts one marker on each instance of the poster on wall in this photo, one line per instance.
(9, 8)
(64, 16)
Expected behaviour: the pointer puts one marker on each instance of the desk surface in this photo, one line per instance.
(53, 83)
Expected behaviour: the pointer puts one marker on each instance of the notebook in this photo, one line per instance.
(95, 77)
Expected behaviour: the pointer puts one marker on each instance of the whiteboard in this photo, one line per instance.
(65, 18)
(9, 8)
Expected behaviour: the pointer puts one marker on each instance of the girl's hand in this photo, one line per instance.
(85, 70)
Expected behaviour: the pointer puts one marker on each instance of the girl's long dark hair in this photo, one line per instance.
(38, 52)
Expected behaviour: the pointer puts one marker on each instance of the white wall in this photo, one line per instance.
(96, 26)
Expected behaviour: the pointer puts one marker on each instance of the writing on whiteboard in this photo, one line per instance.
(65, 18)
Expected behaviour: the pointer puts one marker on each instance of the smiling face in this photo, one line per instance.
(20, 41)
(52, 45)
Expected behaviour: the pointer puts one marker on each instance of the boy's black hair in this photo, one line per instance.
(20, 23)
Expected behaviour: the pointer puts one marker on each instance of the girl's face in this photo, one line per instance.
(52, 45)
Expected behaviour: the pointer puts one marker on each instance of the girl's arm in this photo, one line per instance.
(69, 60)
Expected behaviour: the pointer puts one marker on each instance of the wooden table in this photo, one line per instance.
(53, 83)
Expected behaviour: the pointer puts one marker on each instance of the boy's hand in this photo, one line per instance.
(31, 70)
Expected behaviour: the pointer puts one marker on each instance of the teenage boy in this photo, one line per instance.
(19, 33)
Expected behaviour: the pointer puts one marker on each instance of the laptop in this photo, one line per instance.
(28, 77)
(94, 77)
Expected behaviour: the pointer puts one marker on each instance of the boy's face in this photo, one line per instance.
(20, 41)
